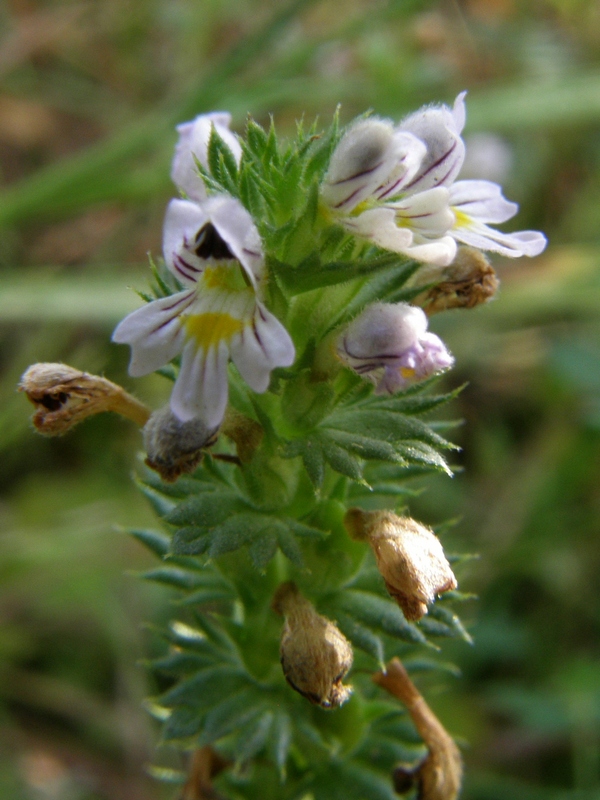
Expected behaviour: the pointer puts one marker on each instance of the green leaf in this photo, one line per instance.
(280, 740)
(263, 548)
(206, 689)
(364, 446)
(171, 576)
(341, 461)
(205, 510)
(161, 504)
(256, 138)
(449, 618)
(254, 736)
(155, 541)
(289, 546)
(350, 781)
(387, 426)
(182, 723)
(378, 613)
(362, 637)
(190, 541)
(230, 714)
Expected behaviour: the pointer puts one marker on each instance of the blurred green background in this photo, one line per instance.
(90, 92)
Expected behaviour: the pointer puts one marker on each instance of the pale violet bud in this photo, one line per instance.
(193, 142)
(371, 158)
(389, 345)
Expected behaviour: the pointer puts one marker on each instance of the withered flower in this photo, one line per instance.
(205, 764)
(439, 775)
(315, 655)
(409, 556)
(469, 281)
(64, 396)
(174, 447)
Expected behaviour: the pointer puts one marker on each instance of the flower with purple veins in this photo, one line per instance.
(389, 344)
(215, 252)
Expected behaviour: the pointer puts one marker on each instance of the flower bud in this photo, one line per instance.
(193, 142)
(389, 345)
(409, 557)
(175, 447)
(315, 655)
(439, 775)
(469, 281)
(64, 396)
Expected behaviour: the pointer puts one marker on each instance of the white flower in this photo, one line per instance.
(193, 144)
(396, 187)
(214, 250)
(389, 345)
(476, 203)
(390, 184)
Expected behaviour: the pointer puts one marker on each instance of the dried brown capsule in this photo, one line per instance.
(315, 655)
(469, 281)
(175, 447)
(409, 556)
(64, 396)
(439, 776)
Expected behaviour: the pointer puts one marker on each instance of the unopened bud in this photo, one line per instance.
(64, 396)
(315, 655)
(389, 344)
(468, 282)
(409, 557)
(439, 776)
(174, 447)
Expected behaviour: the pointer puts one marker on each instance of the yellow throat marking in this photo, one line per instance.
(209, 329)
(462, 220)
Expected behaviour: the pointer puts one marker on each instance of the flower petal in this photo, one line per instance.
(154, 332)
(201, 388)
(439, 127)
(371, 159)
(193, 142)
(514, 245)
(426, 213)
(237, 229)
(482, 201)
(183, 220)
(439, 252)
(379, 225)
(260, 348)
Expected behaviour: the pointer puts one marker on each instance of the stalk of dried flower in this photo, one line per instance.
(439, 776)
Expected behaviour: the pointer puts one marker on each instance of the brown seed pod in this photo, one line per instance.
(409, 556)
(315, 655)
(469, 281)
(439, 775)
(63, 396)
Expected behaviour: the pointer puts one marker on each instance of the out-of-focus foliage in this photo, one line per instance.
(89, 95)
